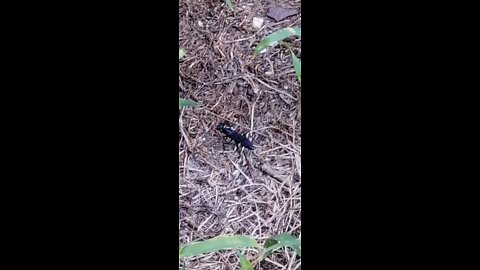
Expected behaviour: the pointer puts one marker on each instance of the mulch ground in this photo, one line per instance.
(223, 191)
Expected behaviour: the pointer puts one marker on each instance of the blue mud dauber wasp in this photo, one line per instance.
(235, 136)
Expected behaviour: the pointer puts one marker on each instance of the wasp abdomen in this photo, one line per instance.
(237, 137)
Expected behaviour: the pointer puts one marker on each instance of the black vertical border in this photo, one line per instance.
(381, 125)
(93, 101)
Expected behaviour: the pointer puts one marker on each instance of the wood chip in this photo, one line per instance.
(279, 13)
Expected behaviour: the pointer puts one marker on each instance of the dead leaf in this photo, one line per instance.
(279, 13)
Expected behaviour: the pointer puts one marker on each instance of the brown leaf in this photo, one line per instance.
(279, 13)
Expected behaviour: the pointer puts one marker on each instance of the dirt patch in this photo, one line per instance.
(222, 191)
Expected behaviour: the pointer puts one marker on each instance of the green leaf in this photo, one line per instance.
(297, 66)
(282, 240)
(229, 4)
(276, 37)
(181, 53)
(298, 31)
(218, 243)
(244, 262)
(182, 102)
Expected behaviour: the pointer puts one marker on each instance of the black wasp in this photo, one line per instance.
(233, 135)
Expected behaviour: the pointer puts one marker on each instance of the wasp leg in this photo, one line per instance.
(235, 145)
(227, 141)
(226, 150)
(249, 144)
(223, 145)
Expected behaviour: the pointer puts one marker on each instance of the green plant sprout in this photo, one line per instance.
(183, 102)
(276, 38)
(229, 4)
(240, 241)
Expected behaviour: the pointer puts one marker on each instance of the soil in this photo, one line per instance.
(224, 191)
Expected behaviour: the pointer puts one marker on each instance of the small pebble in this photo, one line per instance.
(257, 22)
